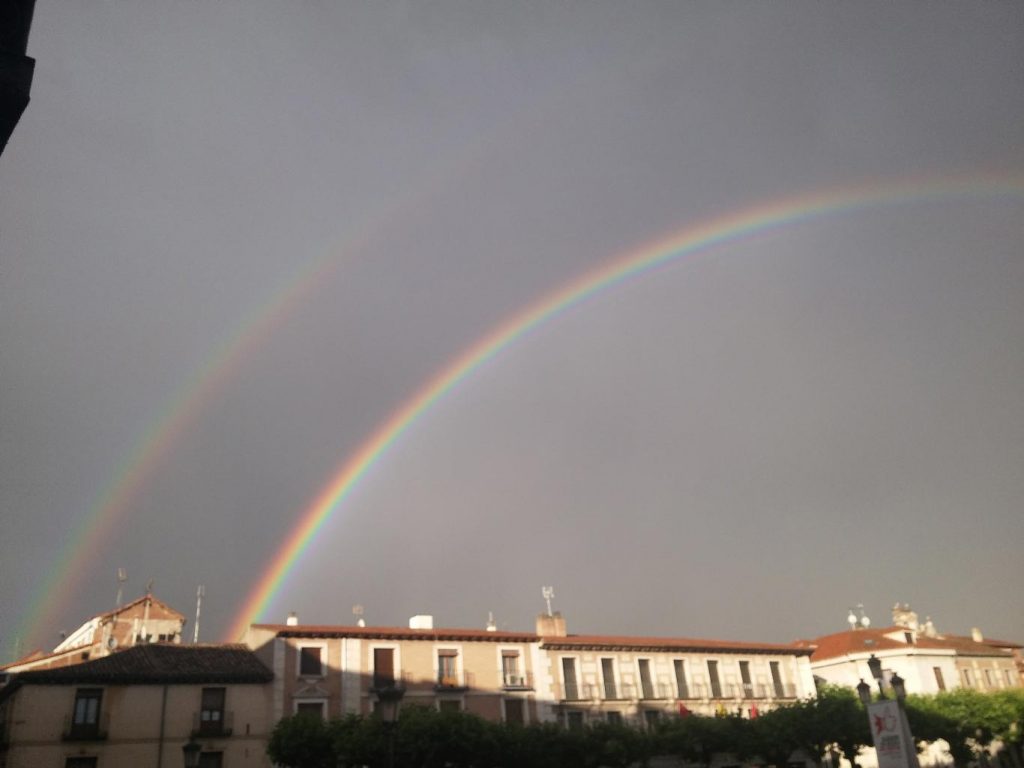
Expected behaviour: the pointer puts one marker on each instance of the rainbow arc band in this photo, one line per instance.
(687, 242)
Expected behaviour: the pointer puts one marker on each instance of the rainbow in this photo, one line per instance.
(649, 257)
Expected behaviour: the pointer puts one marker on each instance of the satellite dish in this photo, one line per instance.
(111, 643)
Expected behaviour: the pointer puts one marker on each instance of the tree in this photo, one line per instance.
(302, 741)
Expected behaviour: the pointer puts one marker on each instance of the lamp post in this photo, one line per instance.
(890, 730)
(388, 700)
(191, 752)
(875, 665)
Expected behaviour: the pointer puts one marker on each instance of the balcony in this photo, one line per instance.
(650, 691)
(784, 691)
(212, 723)
(446, 682)
(584, 692)
(96, 731)
(389, 682)
(517, 681)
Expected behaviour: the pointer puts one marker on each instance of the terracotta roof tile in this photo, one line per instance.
(606, 641)
(872, 640)
(399, 633)
(672, 644)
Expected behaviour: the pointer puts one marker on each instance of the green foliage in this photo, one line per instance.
(835, 720)
(302, 742)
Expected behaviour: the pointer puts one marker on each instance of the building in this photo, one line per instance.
(139, 707)
(928, 660)
(144, 620)
(523, 677)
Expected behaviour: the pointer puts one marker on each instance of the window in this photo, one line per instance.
(211, 711)
(615, 718)
(682, 688)
(571, 689)
(748, 686)
(990, 679)
(310, 709)
(80, 762)
(940, 683)
(646, 686)
(383, 668)
(716, 685)
(449, 705)
(510, 674)
(780, 691)
(448, 668)
(211, 759)
(515, 712)
(1008, 673)
(310, 661)
(85, 720)
(608, 675)
(651, 717)
(968, 678)
(574, 720)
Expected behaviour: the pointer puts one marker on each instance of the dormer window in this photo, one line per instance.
(909, 636)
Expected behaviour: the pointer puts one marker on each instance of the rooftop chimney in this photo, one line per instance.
(421, 621)
(293, 619)
(551, 625)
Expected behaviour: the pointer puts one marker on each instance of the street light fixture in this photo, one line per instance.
(875, 665)
(191, 752)
(898, 687)
(864, 692)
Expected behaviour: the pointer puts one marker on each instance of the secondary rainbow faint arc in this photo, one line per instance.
(754, 220)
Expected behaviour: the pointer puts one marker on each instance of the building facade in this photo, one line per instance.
(929, 661)
(144, 620)
(139, 707)
(544, 676)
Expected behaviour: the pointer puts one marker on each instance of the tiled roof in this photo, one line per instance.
(398, 633)
(603, 641)
(865, 641)
(964, 646)
(159, 663)
(672, 644)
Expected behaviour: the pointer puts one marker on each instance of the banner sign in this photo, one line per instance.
(887, 730)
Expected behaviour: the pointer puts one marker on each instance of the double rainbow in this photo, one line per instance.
(647, 258)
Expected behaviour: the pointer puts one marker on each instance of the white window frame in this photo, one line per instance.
(526, 708)
(310, 700)
(322, 645)
(500, 651)
(396, 659)
(460, 665)
(616, 677)
(561, 676)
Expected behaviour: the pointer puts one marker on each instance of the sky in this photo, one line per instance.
(236, 237)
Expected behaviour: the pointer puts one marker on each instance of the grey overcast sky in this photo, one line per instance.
(740, 445)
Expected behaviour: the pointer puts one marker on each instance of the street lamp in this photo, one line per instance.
(875, 665)
(388, 700)
(191, 752)
(864, 691)
(898, 687)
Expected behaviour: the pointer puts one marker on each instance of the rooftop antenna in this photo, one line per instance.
(149, 588)
(200, 591)
(548, 592)
(491, 625)
(122, 577)
(357, 610)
